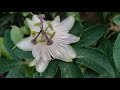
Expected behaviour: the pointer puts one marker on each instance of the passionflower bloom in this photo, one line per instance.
(49, 40)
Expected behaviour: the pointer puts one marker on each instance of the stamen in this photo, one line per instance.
(34, 41)
(49, 41)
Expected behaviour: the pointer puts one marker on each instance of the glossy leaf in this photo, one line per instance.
(7, 65)
(116, 20)
(116, 53)
(106, 46)
(90, 74)
(95, 60)
(23, 54)
(9, 44)
(91, 35)
(50, 72)
(51, 69)
(20, 71)
(77, 29)
(70, 70)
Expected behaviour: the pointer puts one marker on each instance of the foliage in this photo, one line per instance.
(98, 51)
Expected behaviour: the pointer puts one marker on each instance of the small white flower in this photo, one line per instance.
(49, 40)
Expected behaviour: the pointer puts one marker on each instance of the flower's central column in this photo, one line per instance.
(48, 40)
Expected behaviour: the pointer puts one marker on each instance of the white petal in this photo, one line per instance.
(41, 51)
(66, 38)
(25, 44)
(35, 19)
(36, 52)
(30, 23)
(41, 65)
(68, 23)
(45, 54)
(33, 63)
(56, 20)
(70, 51)
(35, 28)
(58, 52)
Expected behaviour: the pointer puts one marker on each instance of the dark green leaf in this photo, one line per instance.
(20, 71)
(23, 54)
(90, 74)
(9, 44)
(91, 35)
(77, 28)
(95, 60)
(50, 72)
(51, 69)
(87, 24)
(16, 72)
(36, 75)
(70, 70)
(28, 71)
(116, 52)
(116, 20)
(103, 76)
(100, 17)
(6, 65)
(105, 15)
(106, 46)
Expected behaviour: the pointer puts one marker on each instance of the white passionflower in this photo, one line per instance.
(49, 40)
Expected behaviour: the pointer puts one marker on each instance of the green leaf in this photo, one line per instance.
(16, 72)
(116, 52)
(92, 34)
(23, 54)
(77, 29)
(16, 34)
(116, 20)
(70, 70)
(3, 51)
(28, 71)
(88, 24)
(20, 71)
(9, 44)
(77, 15)
(7, 65)
(90, 74)
(25, 13)
(103, 76)
(50, 72)
(105, 15)
(0, 52)
(25, 30)
(100, 16)
(51, 69)
(106, 46)
(95, 60)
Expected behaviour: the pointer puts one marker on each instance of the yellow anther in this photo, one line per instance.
(33, 33)
(37, 24)
(49, 24)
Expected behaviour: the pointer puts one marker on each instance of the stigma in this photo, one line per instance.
(47, 37)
